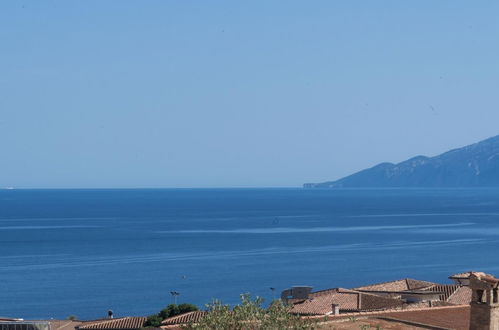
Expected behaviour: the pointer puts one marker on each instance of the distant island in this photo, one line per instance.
(476, 165)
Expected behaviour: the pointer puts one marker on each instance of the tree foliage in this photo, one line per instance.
(250, 315)
(155, 320)
(173, 310)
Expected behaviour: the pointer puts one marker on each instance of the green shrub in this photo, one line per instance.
(173, 310)
(250, 315)
(153, 321)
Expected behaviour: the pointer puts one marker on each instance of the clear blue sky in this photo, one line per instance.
(238, 93)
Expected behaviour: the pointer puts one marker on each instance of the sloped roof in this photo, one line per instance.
(396, 286)
(449, 317)
(321, 303)
(466, 275)
(447, 290)
(457, 318)
(130, 322)
(462, 296)
(373, 302)
(54, 324)
(488, 278)
(64, 324)
(373, 323)
(185, 318)
(452, 293)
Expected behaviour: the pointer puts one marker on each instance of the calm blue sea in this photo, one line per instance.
(84, 252)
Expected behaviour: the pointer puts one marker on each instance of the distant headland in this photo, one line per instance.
(476, 165)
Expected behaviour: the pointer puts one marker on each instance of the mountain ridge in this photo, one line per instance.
(474, 165)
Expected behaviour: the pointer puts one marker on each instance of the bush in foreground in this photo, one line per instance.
(174, 310)
(155, 320)
(250, 315)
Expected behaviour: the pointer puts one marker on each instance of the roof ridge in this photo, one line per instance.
(348, 291)
(345, 290)
(64, 324)
(192, 316)
(378, 296)
(449, 285)
(393, 281)
(183, 314)
(396, 310)
(419, 324)
(107, 321)
(113, 319)
(389, 311)
(325, 290)
(380, 283)
(427, 284)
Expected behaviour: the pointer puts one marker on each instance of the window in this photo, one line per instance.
(479, 296)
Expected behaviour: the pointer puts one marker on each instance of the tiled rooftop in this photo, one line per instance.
(446, 289)
(193, 317)
(452, 293)
(449, 317)
(466, 275)
(368, 324)
(489, 278)
(321, 303)
(118, 323)
(462, 296)
(64, 324)
(396, 286)
(457, 318)
(381, 296)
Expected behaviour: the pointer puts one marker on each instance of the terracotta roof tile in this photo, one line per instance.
(489, 278)
(450, 317)
(447, 290)
(321, 303)
(461, 296)
(54, 324)
(373, 302)
(418, 305)
(372, 323)
(396, 286)
(466, 275)
(457, 318)
(417, 284)
(185, 318)
(119, 323)
(327, 291)
(64, 324)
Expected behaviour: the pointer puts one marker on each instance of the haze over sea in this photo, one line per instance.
(83, 252)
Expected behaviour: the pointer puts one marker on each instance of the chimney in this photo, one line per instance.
(484, 311)
(336, 309)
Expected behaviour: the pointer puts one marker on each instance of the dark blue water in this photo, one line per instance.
(83, 252)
